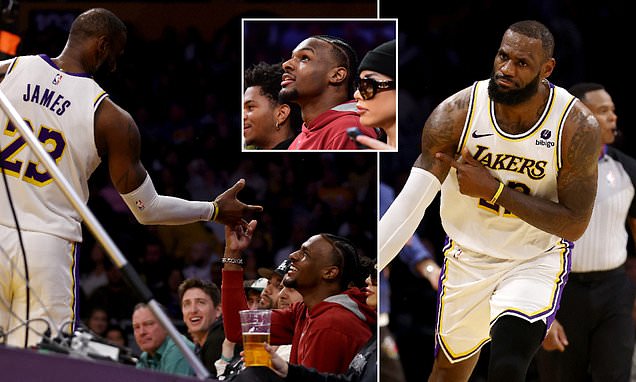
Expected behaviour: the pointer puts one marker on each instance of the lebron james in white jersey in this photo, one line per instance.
(515, 160)
(59, 107)
(528, 162)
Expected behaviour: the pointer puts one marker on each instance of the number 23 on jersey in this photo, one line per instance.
(53, 142)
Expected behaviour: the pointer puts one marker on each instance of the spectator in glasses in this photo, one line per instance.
(376, 95)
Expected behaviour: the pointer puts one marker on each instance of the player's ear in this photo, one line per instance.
(331, 272)
(103, 43)
(338, 75)
(281, 113)
(547, 68)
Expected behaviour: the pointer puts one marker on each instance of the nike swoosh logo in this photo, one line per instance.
(475, 135)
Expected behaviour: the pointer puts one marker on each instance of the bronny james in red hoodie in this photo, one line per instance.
(332, 322)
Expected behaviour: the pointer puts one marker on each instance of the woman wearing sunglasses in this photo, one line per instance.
(376, 95)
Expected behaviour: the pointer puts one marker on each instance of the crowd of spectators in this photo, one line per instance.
(184, 93)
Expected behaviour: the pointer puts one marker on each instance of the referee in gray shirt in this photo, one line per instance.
(592, 338)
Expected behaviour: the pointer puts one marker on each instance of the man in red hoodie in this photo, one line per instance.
(332, 322)
(319, 77)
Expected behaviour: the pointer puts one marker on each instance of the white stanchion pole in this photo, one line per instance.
(100, 234)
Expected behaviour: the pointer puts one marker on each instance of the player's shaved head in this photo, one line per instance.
(97, 22)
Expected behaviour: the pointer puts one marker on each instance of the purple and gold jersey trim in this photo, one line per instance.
(559, 152)
(469, 118)
(537, 126)
(50, 62)
(13, 65)
(100, 97)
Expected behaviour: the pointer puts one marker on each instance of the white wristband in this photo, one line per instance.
(151, 208)
(401, 219)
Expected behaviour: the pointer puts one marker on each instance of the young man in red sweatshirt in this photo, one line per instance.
(332, 322)
(319, 77)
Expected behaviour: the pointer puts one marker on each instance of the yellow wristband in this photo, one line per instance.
(215, 213)
(497, 194)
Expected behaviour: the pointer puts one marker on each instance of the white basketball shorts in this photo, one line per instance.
(51, 263)
(476, 289)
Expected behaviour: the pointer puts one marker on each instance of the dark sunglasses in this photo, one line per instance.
(368, 87)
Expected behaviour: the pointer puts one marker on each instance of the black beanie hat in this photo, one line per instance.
(381, 59)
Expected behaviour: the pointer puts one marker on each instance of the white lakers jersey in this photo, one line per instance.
(59, 107)
(528, 162)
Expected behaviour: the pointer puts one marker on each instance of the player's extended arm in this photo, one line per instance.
(118, 140)
(441, 133)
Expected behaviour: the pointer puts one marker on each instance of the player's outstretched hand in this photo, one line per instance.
(233, 212)
(474, 179)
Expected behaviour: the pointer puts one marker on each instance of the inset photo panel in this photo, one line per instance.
(319, 84)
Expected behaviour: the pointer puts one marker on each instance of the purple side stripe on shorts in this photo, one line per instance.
(563, 279)
(448, 243)
(560, 285)
(76, 290)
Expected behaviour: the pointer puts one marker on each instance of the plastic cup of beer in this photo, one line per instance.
(255, 326)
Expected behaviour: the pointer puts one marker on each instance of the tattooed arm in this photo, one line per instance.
(118, 140)
(569, 217)
(442, 132)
